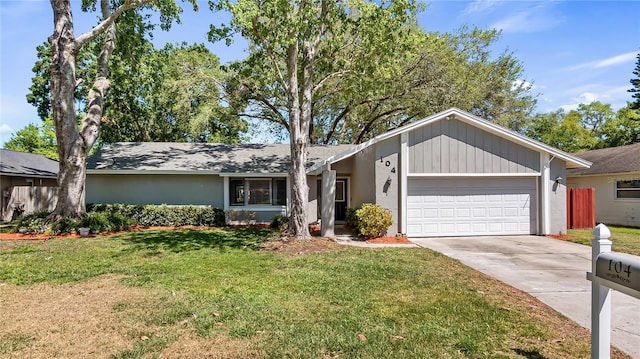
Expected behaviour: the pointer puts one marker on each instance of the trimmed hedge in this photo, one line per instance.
(164, 215)
(117, 217)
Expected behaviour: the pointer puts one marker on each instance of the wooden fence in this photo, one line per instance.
(581, 208)
(27, 199)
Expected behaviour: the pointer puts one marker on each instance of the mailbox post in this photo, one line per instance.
(600, 298)
(609, 270)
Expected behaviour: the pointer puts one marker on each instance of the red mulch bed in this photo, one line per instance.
(389, 239)
(563, 237)
(12, 236)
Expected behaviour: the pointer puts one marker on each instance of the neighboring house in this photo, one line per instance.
(451, 174)
(615, 175)
(19, 170)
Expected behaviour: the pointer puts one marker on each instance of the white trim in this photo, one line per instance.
(253, 175)
(545, 220)
(225, 193)
(404, 180)
(152, 172)
(194, 172)
(7, 174)
(616, 189)
(420, 175)
(259, 208)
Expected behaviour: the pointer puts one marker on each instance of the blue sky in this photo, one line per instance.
(572, 51)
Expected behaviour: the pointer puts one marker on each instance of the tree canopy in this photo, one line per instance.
(635, 90)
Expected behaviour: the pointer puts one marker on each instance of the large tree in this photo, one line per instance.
(74, 144)
(306, 46)
(635, 82)
(174, 94)
(429, 72)
(33, 138)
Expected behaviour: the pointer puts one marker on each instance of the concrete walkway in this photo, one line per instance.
(552, 271)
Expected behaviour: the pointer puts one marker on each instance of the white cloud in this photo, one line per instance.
(616, 96)
(533, 19)
(610, 61)
(479, 6)
(4, 128)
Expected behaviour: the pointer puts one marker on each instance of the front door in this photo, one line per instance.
(341, 199)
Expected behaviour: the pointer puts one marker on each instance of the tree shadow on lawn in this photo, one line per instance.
(185, 240)
(529, 354)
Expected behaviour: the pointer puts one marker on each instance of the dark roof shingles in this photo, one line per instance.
(221, 158)
(622, 159)
(27, 164)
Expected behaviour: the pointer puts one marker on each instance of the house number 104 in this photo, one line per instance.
(618, 267)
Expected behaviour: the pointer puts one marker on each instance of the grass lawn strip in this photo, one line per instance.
(195, 294)
(625, 240)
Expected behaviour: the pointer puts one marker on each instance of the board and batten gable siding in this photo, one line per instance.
(453, 146)
(199, 190)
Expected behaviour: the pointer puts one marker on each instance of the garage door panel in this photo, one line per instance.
(491, 206)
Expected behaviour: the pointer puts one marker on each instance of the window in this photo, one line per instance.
(236, 192)
(628, 189)
(280, 191)
(258, 191)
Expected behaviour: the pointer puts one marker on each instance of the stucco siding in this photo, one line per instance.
(557, 197)
(156, 189)
(452, 146)
(609, 210)
(387, 179)
(313, 206)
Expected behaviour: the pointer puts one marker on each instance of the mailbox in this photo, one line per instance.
(620, 269)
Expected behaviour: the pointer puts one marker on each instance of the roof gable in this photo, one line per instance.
(27, 164)
(622, 159)
(201, 157)
(571, 160)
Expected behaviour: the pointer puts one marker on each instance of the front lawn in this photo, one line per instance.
(223, 293)
(625, 240)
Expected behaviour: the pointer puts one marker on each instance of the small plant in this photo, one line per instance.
(373, 220)
(32, 223)
(351, 218)
(280, 222)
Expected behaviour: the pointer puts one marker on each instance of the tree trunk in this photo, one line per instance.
(298, 140)
(74, 145)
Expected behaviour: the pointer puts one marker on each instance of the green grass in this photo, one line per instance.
(625, 240)
(408, 303)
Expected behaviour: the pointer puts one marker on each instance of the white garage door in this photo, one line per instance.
(471, 206)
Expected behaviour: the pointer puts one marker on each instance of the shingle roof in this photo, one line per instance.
(27, 164)
(623, 159)
(210, 157)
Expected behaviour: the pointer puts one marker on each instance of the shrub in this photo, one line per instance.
(33, 223)
(351, 218)
(120, 215)
(373, 220)
(65, 225)
(280, 222)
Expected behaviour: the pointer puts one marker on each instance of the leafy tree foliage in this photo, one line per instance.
(624, 128)
(170, 95)
(590, 126)
(635, 105)
(40, 139)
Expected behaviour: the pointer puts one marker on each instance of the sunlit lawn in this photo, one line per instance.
(337, 303)
(625, 240)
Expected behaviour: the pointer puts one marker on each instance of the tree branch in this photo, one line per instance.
(102, 26)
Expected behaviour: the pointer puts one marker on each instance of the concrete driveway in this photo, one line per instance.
(551, 270)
